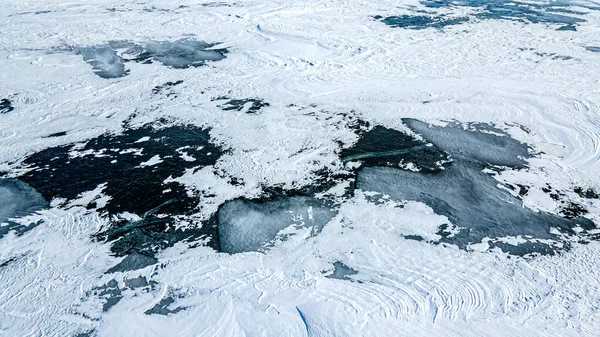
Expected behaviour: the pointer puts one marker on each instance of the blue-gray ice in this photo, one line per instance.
(17, 199)
(468, 197)
(246, 225)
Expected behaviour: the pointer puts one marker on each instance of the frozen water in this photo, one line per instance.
(487, 146)
(554, 12)
(111, 165)
(468, 197)
(104, 61)
(108, 61)
(530, 11)
(178, 54)
(341, 271)
(132, 262)
(162, 307)
(17, 199)
(387, 147)
(421, 21)
(250, 225)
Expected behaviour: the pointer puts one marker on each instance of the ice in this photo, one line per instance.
(555, 12)
(104, 61)
(466, 195)
(249, 225)
(178, 54)
(108, 61)
(17, 199)
(489, 146)
(341, 271)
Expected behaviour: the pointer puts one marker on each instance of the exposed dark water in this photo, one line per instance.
(5, 106)
(17, 199)
(108, 61)
(545, 12)
(132, 169)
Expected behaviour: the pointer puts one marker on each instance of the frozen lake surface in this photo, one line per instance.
(293, 168)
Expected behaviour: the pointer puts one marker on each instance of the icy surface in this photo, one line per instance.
(17, 199)
(326, 69)
(462, 190)
(104, 61)
(248, 226)
(109, 61)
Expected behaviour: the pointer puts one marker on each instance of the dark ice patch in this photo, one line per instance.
(110, 293)
(5, 106)
(421, 21)
(162, 308)
(248, 105)
(132, 168)
(341, 272)
(17, 199)
(166, 88)
(387, 147)
(593, 49)
(555, 12)
(108, 61)
(56, 134)
(133, 261)
(465, 194)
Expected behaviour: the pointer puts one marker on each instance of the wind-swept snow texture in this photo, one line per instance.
(323, 168)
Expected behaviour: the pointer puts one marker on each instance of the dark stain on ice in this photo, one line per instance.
(133, 170)
(5, 106)
(341, 272)
(108, 61)
(464, 193)
(161, 308)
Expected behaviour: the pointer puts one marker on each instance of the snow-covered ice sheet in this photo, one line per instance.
(302, 81)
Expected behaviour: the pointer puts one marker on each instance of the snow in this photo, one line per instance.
(321, 66)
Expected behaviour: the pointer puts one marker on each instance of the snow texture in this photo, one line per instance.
(271, 126)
